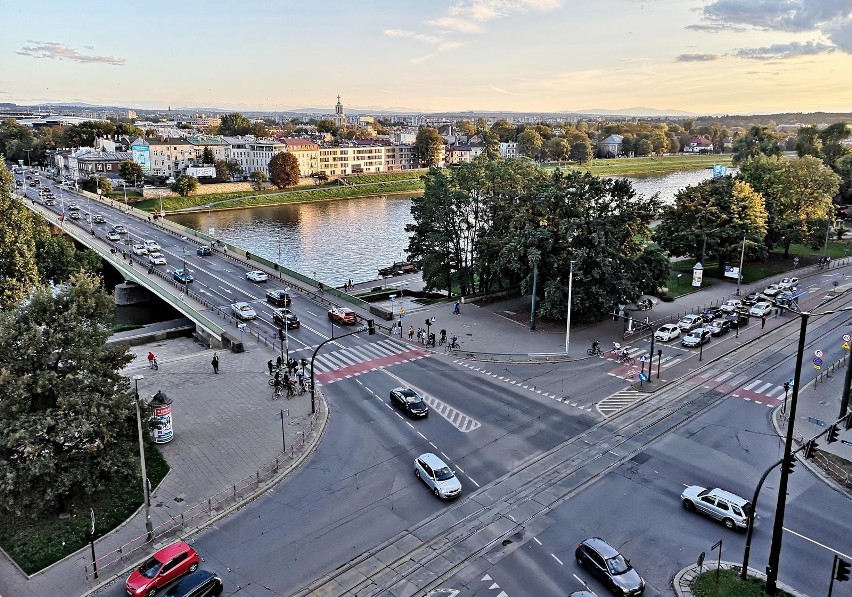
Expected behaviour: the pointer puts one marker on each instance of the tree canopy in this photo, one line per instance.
(130, 172)
(428, 145)
(759, 140)
(185, 185)
(284, 170)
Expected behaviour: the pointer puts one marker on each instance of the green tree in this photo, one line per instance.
(831, 138)
(58, 260)
(758, 140)
(581, 152)
(128, 129)
(185, 185)
(644, 147)
(234, 124)
(15, 139)
(506, 131)
(18, 270)
(530, 143)
(284, 170)
(713, 217)
(259, 130)
(428, 146)
(843, 165)
(466, 127)
(84, 134)
(130, 172)
(222, 171)
(207, 157)
(808, 142)
(327, 126)
(93, 183)
(68, 424)
(258, 177)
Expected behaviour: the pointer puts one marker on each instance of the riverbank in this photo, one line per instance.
(646, 166)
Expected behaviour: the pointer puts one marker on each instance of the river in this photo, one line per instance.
(335, 241)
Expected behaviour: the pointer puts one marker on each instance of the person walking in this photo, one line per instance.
(411, 332)
(151, 359)
(269, 365)
(215, 363)
(278, 362)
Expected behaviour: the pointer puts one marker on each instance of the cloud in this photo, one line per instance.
(781, 51)
(503, 91)
(697, 57)
(56, 50)
(841, 34)
(467, 16)
(776, 15)
(426, 39)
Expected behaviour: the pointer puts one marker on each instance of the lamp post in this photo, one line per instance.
(568, 323)
(740, 273)
(149, 527)
(535, 257)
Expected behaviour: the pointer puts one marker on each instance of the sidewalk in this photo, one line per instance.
(227, 435)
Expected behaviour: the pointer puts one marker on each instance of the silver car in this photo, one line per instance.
(437, 476)
(243, 311)
(689, 322)
(722, 505)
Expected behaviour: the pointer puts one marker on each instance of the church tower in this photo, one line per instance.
(339, 115)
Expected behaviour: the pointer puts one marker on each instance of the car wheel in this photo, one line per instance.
(688, 505)
(193, 568)
(435, 491)
(417, 473)
(730, 524)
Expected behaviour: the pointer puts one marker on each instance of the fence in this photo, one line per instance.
(826, 373)
(196, 515)
(819, 459)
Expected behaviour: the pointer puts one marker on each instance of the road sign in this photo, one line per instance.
(392, 298)
(847, 337)
(818, 354)
(817, 361)
(402, 315)
(643, 377)
(845, 346)
(402, 310)
(790, 381)
(643, 358)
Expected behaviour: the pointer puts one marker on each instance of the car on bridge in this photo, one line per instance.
(751, 298)
(696, 337)
(606, 563)
(156, 259)
(243, 311)
(75, 215)
(184, 276)
(113, 236)
(203, 251)
(139, 250)
(278, 297)
(717, 503)
(437, 476)
(120, 229)
(410, 402)
(689, 322)
(342, 315)
(760, 309)
(788, 283)
(772, 290)
(282, 317)
(738, 319)
(717, 327)
(99, 219)
(731, 305)
(257, 276)
(151, 245)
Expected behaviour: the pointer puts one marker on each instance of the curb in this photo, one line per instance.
(685, 578)
(316, 436)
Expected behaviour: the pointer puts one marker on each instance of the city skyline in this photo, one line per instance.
(705, 57)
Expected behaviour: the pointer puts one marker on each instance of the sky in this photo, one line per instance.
(699, 56)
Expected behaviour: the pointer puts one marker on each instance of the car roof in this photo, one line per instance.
(432, 460)
(602, 547)
(731, 497)
(405, 391)
(241, 304)
(668, 326)
(189, 582)
(170, 551)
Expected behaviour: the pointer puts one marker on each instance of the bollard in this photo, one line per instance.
(257, 477)
(235, 491)
(210, 505)
(120, 554)
(182, 521)
(276, 464)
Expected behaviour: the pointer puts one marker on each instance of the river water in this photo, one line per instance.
(335, 241)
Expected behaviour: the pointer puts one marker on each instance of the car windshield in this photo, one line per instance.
(617, 565)
(245, 308)
(150, 568)
(444, 474)
(410, 397)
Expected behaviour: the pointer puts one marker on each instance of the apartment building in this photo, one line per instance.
(306, 151)
(252, 154)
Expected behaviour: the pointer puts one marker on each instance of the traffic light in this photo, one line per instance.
(810, 448)
(788, 465)
(786, 387)
(371, 327)
(841, 573)
(304, 363)
(281, 334)
(833, 433)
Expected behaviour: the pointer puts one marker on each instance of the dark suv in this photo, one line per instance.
(409, 401)
(200, 583)
(278, 297)
(282, 317)
(603, 560)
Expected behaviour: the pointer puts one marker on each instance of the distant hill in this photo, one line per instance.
(634, 112)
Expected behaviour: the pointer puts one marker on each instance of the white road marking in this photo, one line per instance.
(557, 559)
(536, 540)
(840, 553)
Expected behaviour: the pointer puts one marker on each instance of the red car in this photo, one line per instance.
(162, 568)
(342, 315)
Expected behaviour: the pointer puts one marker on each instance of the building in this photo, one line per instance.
(131, 114)
(87, 163)
(509, 150)
(306, 151)
(202, 121)
(169, 157)
(339, 114)
(458, 154)
(611, 147)
(698, 144)
(252, 154)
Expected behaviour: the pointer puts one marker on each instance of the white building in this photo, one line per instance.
(509, 150)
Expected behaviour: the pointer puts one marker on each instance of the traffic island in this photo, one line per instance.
(701, 581)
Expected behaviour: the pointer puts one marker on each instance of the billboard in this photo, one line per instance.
(719, 171)
(732, 272)
(142, 156)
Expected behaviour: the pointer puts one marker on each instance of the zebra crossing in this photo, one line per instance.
(629, 372)
(455, 417)
(618, 401)
(759, 391)
(352, 361)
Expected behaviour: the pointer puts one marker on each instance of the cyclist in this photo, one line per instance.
(596, 347)
(443, 336)
(623, 356)
(454, 342)
(277, 383)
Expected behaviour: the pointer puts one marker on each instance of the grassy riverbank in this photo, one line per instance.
(648, 166)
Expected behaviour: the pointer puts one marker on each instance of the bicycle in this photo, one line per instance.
(594, 351)
(626, 359)
(276, 393)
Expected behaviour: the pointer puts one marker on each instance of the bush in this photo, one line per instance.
(730, 585)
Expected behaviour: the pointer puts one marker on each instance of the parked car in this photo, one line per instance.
(203, 251)
(243, 311)
(788, 283)
(437, 476)
(409, 402)
(718, 327)
(257, 276)
(165, 566)
(278, 297)
(667, 332)
(722, 505)
(280, 317)
(156, 259)
(200, 583)
(607, 564)
(737, 319)
(760, 309)
(710, 313)
(731, 305)
(183, 276)
(771, 290)
(151, 245)
(139, 250)
(696, 337)
(113, 236)
(690, 322)
(342, 315)
(751, 298)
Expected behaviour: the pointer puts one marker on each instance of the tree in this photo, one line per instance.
(831, 138)
(843, 165)
(808, 142)
(93, 183)
(258, 177)
(222, 170)
(466, 127)
(284, 170)
(758, 140)
(712, 218)
(327, 126)
(15, 139)
(207, 158)
(128, 129)
(581, 152)
(18, 271)
(84, 134)
(234, 124)
(130, 172)
(557, 149)
(530, 143)
(58, 260)
(69, 421)
(644, 147)
(428, 146)
(185, 185)
(506, 131)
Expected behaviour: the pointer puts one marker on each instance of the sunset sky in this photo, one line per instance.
(714, 56)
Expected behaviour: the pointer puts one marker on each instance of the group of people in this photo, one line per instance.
(348, 286)
(287, 376)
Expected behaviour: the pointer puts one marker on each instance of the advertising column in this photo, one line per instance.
(163, 431)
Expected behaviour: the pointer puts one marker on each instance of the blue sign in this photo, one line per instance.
(719, 171)
(392, 298)
(817, 361)
(790, 381)
(402, 315)
(643, 377)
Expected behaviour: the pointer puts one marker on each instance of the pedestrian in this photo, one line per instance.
(278, 362)
(269, 365)
(410, 332)
(215, 363)
(151, 359)
(457, 308)
(763, 322)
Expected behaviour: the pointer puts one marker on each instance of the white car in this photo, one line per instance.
(788, 283)
(689, 322)
(438, 477)
(670, 331)
(151, 245)
(139, 250)
(257, 276)
(243, 311)
(772, 290)
(113, 235)
(760, 309)
(156, 259)
(717, 503)
(731, 305)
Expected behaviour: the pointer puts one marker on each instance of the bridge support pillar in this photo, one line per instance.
(130, 293)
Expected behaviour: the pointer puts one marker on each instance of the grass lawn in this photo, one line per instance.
(37, 543)
(729, 585)
(647, 165)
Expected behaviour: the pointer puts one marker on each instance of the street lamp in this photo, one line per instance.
(149, 527)
(535, 257)
(568, 323)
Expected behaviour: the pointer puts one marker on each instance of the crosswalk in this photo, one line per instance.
(352, 361)
(671, 357)
(618, 401)
(456, 418)
(759, 391)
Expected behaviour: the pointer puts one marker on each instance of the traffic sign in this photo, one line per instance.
(643, 377)
(392, 298)
(845, 346)
(402, 315)
(818, 354)
(847, 337)
(402, 310)
(817, 361)
(643, 358)
(790, 381)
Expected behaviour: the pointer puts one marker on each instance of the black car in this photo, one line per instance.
(409, 401)
(719, 327)
(183, 276)
(710, 313)
(737, 319)
(751, 298)
(613, 569)
(278, 297)
(200, 583)
(282, 316)
(203, 251)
